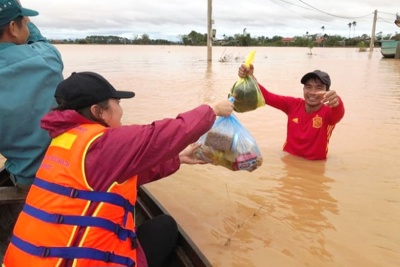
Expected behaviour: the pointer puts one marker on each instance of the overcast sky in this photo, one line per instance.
(167, 19)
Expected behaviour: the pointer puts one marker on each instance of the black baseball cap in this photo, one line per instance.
(323, 76)
(83, 89)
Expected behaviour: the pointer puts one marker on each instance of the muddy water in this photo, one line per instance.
(290, 212)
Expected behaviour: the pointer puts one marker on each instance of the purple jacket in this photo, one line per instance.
(151, 151)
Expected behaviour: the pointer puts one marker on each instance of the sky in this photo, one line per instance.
(170, 19)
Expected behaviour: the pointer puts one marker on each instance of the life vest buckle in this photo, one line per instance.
(107, 256)
(117, 229)
(59, 218)
(73, 193)
(45, 252)
(134, 242)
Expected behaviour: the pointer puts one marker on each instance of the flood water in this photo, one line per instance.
(344, 211)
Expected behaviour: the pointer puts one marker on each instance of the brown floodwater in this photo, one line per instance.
(344, 211)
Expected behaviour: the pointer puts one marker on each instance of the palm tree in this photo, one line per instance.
(323, 29)
(349, 28)
(354, 27)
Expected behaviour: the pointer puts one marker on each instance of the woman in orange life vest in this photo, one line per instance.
(80, 209)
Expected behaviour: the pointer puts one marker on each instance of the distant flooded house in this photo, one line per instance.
(287, 40)
(319, 41)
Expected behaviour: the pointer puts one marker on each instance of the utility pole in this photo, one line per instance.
(209, 31)
(371, 43)
(397, 22)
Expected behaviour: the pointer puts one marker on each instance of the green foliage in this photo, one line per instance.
(194, 38)
(310, 46)
(241, 39)
(362, 47)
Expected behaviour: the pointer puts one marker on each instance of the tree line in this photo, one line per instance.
(243, 39)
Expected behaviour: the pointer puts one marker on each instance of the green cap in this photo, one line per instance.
(11, 9)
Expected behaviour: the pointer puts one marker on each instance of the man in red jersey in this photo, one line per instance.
(310, 120)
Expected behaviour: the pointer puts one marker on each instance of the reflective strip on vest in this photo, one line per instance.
(87, 195)
(84, 221)
(71, 253)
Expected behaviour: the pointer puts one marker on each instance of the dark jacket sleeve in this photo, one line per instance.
(149, 151)
(164, 169)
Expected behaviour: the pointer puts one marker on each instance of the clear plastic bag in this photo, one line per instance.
(230, 145)
(246, 91)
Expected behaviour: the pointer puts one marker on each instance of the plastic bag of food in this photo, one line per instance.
(230, 145)
(246, 91)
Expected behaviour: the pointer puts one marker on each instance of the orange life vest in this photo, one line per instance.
(57, 207)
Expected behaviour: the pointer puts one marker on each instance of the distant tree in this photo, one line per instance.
(310, 46)
(184, 39)
(323, 28)
(364, 36)
(354, 23)
(333, 40)
(349, 28)
(82, 41)
(362, 47)
(276, 38)
(300, 41)
(243, 39)
(145, 39)
(194, 38)
(387, 37)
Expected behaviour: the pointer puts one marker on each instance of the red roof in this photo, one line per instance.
(287, 39)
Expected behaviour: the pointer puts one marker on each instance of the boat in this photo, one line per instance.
(388, 48)
(187, 254)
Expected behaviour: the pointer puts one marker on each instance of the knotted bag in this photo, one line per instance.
(230, 145)
(246, 91)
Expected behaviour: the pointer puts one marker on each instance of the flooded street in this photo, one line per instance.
(290, 212)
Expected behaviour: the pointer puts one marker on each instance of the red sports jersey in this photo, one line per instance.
(307, 134)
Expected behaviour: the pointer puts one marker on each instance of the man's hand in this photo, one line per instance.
(245, 71)
(330, 98)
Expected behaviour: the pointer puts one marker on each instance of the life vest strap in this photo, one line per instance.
(95, 196)
(71, 252)
(84, 221)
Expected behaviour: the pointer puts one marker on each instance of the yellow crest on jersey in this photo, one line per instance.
(317, 122)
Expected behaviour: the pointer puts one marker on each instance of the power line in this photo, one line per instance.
(294, 11)
(290, 3)
(384, 20)
(287, 4)
(311, 8)
(387, 13)
(333, 14)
